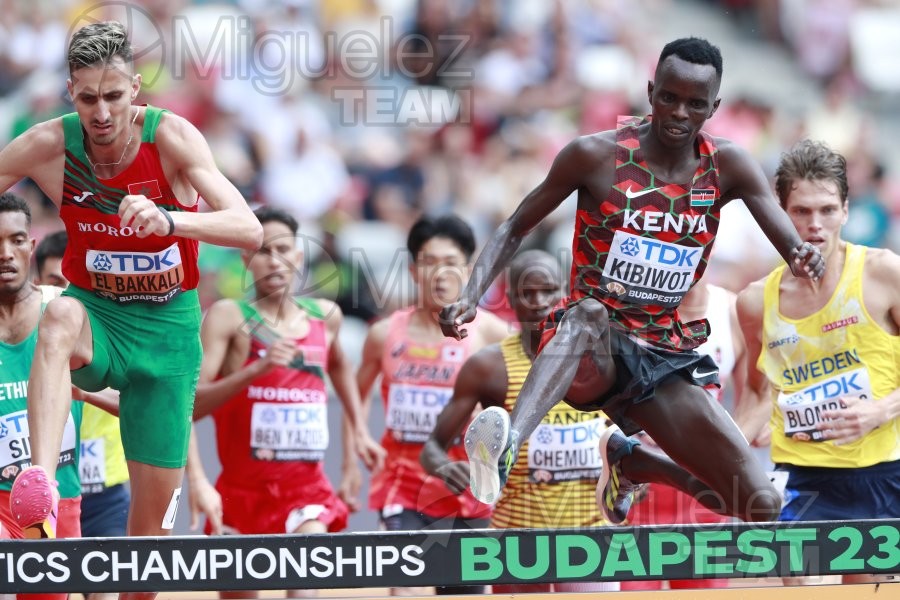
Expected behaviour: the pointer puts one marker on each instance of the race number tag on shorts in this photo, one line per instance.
(92, 466)
(299, 516)
(802, 410)
(15, 445)
(168, 521)
(412, 410)
(641, 270)
(779, 479)
(565, 452)
(136, 276)
(290, 431)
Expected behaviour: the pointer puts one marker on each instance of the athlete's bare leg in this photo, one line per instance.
(708, 456)
(239, 595)
(64, 342)
(576, 364)
(848, 579)
(152, 490)
(863, 578)
(521, 588)
(821, 580)
(308, 527)
(411, 591)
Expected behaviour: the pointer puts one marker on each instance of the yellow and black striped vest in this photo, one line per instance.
(553, 481)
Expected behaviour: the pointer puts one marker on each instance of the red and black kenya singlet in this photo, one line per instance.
(642, 248)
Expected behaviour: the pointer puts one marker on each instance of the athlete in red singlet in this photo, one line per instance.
(418, 367)
(263, 379)
(649, 195)
(127, 180)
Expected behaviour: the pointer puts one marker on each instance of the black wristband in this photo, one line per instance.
(169, 219)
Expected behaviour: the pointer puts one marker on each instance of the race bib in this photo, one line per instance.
(802, 410)
(136, 276)
(289, 431)
(565, 452)
(641, 270)
(412, 410)
(92, 466)
(15, 445)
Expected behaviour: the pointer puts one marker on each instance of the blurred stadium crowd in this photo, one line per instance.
(360, 115)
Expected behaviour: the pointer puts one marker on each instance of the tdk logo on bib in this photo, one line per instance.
(102, 263)
(650, 271)
(138, 262)
(630, 247)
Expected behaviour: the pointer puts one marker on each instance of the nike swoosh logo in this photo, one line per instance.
(630, 195)
(698, 375)
(82, 197)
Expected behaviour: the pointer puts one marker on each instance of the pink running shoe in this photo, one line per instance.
(34, 503)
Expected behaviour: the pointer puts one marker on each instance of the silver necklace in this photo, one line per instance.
(124, 150)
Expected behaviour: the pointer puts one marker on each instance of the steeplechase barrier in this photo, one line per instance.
(459, 557)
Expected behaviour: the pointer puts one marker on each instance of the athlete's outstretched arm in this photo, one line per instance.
(859, 417)
(741, 359)
(340, 371)
(481, 380)
(366, 376)
(754, 408)
(223, 321)
(231, 223)
(746, 180)
(202, 496)
(39, 153)
(370, 366)
(566, 175)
